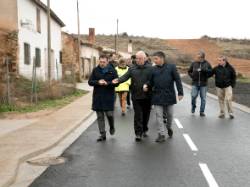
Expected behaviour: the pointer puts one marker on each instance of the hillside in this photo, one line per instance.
(235, 50)
(149, 45)
(182, 51)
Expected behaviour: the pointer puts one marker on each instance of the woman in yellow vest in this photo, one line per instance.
(123, 89)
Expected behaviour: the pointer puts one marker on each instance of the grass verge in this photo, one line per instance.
(243, 80)
(42, 105)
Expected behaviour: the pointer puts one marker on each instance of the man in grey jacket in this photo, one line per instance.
(140, 73)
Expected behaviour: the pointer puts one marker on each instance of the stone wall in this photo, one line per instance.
(69, 54)
(8, 48)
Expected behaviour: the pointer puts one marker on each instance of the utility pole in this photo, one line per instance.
(81, 73)
(116, 37)
(49, 41)
(7, 62)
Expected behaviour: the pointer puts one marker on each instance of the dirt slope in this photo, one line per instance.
(213, 51)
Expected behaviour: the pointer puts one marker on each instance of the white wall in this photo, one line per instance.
(27, 10)
(89, 52)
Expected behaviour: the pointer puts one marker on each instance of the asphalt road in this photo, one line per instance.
(206, 152)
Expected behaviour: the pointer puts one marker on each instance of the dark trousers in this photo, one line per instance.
(101, 120)
(142, 108)
(128, 98)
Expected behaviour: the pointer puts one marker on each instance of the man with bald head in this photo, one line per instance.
(140, 73)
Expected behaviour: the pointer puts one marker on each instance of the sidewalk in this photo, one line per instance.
(9, 125)
(19, 145)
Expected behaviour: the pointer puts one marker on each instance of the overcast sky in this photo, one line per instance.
(159, 18)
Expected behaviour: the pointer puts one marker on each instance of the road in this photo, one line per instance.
(203, 152)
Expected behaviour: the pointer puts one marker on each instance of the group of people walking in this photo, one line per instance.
(152, 86)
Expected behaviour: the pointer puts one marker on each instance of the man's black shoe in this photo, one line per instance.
(138, 138)
(101, 139)
(221, 116)
(231, 116)
(112, 131)
(160, 138)
(202, 114)
(170, 132)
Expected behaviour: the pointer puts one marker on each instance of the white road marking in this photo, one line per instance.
(208, 175)
(190, 142)
(178, 123)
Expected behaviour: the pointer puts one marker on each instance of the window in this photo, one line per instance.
(26, 53)
(60, 56)
(38, 57)
(38, 20)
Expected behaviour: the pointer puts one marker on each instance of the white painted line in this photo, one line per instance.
(178, 123)
(190, 142)
(208, 175)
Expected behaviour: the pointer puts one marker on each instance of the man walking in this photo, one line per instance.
(103, 95)
(164, 76)
(225, 79)
(199, 71)
(140, 74)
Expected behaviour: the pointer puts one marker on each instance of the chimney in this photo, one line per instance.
(91, 35)
(130, 47)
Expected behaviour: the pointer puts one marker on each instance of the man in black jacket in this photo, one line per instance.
(112, 61)
(103, 95)
(140, 73)
(164, 76)
(199, 71)
(225, 79)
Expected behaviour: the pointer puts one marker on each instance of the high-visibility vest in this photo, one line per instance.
(123, 86)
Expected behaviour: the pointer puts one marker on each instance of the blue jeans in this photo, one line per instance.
(194, 94)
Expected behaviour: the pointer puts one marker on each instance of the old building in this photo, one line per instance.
(89, 54)
(23, 27)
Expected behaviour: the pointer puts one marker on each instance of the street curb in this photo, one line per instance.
(236, 105)
(43, 149)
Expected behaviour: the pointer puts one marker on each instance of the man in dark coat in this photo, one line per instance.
(148, 60)
(225, 80)
(164, 76)
(199, 71)
(140, 73)
(103, 95)
(112, 61)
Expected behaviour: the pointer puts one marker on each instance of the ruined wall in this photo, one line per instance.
(8, 47)
(69, 53)
(89, 55)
